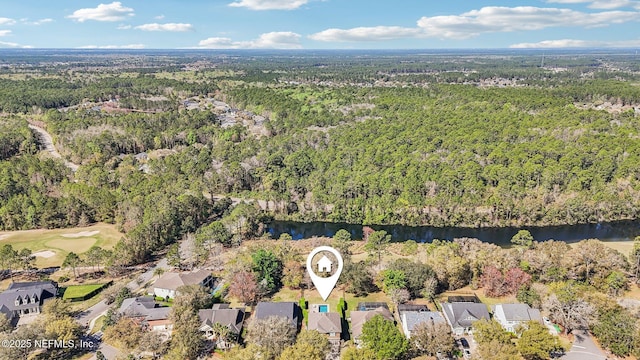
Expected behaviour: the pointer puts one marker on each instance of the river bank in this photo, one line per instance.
(620, 231)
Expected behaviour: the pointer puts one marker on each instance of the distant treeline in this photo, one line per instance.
(553, 147)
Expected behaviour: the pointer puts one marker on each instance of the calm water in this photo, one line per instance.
(614, 231)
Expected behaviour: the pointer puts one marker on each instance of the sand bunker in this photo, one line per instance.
(2, 237)
(81, 234)
(44, 254)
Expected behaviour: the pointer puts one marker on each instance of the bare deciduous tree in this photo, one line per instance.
(272, 335)
(430, 338)
(569, 310)
(244, 286)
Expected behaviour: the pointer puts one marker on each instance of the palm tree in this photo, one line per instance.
(222, 334)
(158, 272)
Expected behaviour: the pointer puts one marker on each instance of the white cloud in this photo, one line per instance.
(522, 18)
(485, 20)
(272, 40)
(5, 32)
(159, 17)
(269, 4)
(6, 21)
(104, 12)
(601, 4)
(14, 45)
(37, 22)
(219, 43)
(572, 43)
(129, 46)
(124, 27)
(375, 33)
(165, 27)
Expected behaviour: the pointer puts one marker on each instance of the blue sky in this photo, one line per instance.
(319, 24)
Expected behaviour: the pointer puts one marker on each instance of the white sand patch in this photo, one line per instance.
(2, 237)
(81, 234)
(44, 254)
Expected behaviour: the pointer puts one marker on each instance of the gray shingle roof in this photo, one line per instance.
(159, 313)
(232, 318)
(325, 323)
(143, 306)
(414, 318)
(519, 312)
(289, 310)
(173, 280)
(463, 314)
(42, 291)
(137, 305)
(358, 318)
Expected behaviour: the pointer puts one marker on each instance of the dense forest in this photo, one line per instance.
(390, 138)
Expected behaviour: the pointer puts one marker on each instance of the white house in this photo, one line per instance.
(512, 315)
(166, 286)
(324, 264)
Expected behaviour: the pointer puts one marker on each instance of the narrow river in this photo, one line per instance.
(613, 231)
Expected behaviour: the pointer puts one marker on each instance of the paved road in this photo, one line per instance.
(584, 349)
(91, 313)
(47, 141)
(98, 309)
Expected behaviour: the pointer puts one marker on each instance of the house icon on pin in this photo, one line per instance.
(324, 264)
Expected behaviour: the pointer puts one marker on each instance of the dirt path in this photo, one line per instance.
(47, 141)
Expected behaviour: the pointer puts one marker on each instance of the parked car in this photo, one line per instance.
(546, 320)
(466, 353)
(464, 343)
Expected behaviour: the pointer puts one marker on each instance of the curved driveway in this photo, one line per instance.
(584, 349)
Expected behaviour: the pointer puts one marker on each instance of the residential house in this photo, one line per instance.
(328, 323)
(222, 314)
(22, 298)
(289, 310)
(166, 286)
(148, 314)
(512, 315)
(358, 318)
(411, 319)
(461, 315)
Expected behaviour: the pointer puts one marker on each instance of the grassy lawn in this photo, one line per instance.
(511, 299)
(59, 242)
(84, 305)
(80, 291)
(312, 297)
(624, 247)
(97, 326)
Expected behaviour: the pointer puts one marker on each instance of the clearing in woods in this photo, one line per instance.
(51, 246)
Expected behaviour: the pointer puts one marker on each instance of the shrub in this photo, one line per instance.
(410, 247)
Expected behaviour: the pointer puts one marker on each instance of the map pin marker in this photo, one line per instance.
(324, 285)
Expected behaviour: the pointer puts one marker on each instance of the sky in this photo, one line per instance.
(319, 24)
